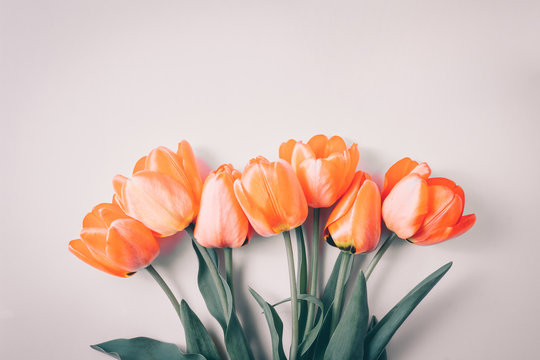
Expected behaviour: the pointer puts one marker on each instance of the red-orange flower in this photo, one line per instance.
(113, 242)
(355, 223)
(164, 191)
(271, 196)
(324, 167)
(221, 221)
(422, 209)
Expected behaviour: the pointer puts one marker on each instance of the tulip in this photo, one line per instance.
(164, 191)
(113, 242)
(355, 223)
(424, 210)
(221, 221)
(324, 167)
(271, 196)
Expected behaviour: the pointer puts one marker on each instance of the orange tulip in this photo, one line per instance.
(324, 167)
(113, 242)
(164, 191)
(355, 223)
(221, 221)
(424, 210)
(271, 196)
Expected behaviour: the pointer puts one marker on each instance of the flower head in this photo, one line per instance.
(164, 191)
(422, 209)
(325, 167)
(113, 242)
(271, 196)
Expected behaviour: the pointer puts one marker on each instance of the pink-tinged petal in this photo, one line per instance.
(139, 165)
(164, 161)
(221, 221)
(286, 150)
(291, 200)
(300, 154)
(318, 144)
(130, 245)
(401, 169)
(405, 206)
(443, 234)
(95, 238)
(118, 183)
(80, 250)
(158, 201)
(108, 212)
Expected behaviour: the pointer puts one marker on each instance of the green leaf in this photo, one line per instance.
(143, 348)
(348, 338)
(275, 325)
(327, 300)
(311, 336)
(372, 324)
(235, 339)
(301, 280)
(198, 341)
(383, 331)
(208, 290)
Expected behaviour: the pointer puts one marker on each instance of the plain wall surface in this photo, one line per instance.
(87, 87)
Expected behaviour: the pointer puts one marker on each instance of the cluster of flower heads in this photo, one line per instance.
(166, 194)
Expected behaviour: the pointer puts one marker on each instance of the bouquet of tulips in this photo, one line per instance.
(166, 194)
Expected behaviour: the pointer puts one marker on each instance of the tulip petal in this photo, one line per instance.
(139, 165)
(318, 145)
(80, 250)
(108, 212)
(256, 215)
(130, 244)
(465, 223)
(164, 161)
(189, 163)
(401, 169)
(221, 221)
(158, 201)
(286, 150)
(359, 229)
(444, 210)
(335, 145)
(300, 154)
(405, 207)
(347, 200)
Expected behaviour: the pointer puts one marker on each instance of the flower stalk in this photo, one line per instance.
(166, 289)
(294, 295)
(375, 260)
(314, 268)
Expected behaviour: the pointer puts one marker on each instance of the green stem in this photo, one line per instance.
(314, 268)
(294, 295)
(301, 260)
(213, 271)
(340, 286)
(379, 255)
(165, 288)
(229, 268)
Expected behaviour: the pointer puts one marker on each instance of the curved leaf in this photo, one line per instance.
(198, 341)
(275, 325)
(348, 339)
(380, 335)
(372, 324)
(143, 348)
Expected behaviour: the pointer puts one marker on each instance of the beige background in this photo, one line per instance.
(89, 86)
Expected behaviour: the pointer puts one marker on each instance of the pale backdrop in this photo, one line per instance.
(87, 87)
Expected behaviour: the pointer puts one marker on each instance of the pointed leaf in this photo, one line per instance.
(348, 339)
(380, 335)
(198, 341)
(275, 325)
(372, 324)
(143, 348)
(208, 290)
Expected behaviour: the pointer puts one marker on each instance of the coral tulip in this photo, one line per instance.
(324, 167)
(113, 242)
(355, 223)
(424, 210)
(164, 191)
(271, 196)
(221, 221)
